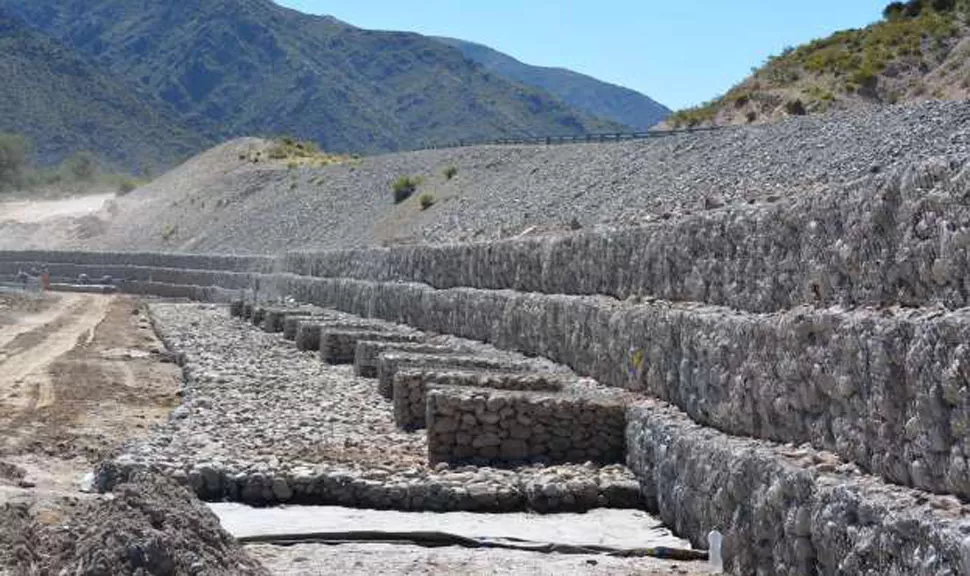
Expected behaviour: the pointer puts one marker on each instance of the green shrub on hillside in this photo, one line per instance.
(692, 117)
(915, 8)
(81, 166)
(126, 186)
(404, 187)
(14, 150)
(300, 153)
(288, 148)
(450, 172)
(77, 173)
(426, 200)
(857, 57)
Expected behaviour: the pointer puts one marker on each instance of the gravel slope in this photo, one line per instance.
(220, 203)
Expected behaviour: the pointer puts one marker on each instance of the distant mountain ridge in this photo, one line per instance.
(585, 93)
(251, 67)
(64, 103)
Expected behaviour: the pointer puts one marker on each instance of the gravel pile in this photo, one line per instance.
(264, 423)
(218, 202)
(149, 526)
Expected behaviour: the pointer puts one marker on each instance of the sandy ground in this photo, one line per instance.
(28, 212)
(79, 374)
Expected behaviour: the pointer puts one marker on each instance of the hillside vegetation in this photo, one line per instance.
(80, 173)
(63, 103)
(249, 67)
(595, 97)
(920, 50)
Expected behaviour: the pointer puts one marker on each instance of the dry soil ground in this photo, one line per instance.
(79, 374)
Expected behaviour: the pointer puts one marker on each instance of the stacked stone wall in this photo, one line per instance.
(274, 319)
(499, 427)
(882, 388)
(411, 386)
(897, 239)
(70, 272)
(261, 264)
(309, 331)
(785, 510)
(389, 362)
(366, 356)
(339, 346)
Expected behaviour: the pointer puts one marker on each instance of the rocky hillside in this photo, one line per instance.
(582, 92)
(245, 197)
(64, 103)
(919, 51)
(250, 67)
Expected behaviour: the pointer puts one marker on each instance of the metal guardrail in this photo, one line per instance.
(568, 139)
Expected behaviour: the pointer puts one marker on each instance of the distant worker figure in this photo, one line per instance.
(45, 280)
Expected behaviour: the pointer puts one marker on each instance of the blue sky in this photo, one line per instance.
(680, 52)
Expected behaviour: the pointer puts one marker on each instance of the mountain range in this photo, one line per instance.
(198, 71)
(582, 92)
(62, 102)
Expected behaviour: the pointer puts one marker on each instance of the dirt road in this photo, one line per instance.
(79, 375)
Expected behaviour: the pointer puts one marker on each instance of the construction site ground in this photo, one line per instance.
(81, 374)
